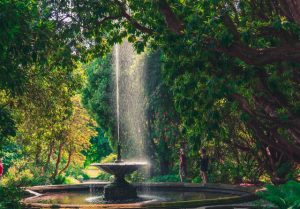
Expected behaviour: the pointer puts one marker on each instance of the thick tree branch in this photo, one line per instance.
(231, 26)
(131, 20)
(274, 140)
(104, 19)
(259, 56)
(172, 20)
(294, 8)
(136, 24)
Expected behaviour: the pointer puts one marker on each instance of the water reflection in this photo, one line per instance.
(96, 197)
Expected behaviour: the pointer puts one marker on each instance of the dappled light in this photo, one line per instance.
(149, 104)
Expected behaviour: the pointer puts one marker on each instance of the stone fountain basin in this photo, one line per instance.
(121, 169)
(234, 194)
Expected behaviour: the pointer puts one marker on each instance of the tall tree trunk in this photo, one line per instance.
(37, 154)
(49, 155)
(68, 163)
(58, 160)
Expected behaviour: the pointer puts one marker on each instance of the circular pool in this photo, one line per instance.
(150, 195)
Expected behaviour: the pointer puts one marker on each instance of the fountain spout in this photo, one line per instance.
(119, 158)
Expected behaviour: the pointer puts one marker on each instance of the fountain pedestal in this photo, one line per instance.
(119, 189)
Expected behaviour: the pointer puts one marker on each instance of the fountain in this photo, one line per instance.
(121, 194)
(119, 189)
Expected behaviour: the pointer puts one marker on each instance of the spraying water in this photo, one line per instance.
(117, 90)
(130, 101)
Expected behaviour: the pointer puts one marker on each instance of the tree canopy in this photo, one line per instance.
(222, 59)
(231, 68)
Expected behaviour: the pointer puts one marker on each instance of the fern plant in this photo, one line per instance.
(286, 196)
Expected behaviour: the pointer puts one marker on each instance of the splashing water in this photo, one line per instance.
(130, 101)
(117, 90)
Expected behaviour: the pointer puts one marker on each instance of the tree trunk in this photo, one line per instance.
(37, 154)
(68, 163)
(49, 155)
(58, 160)
(294, 9)
(265, 134)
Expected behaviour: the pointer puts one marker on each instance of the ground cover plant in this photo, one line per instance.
(283, 196)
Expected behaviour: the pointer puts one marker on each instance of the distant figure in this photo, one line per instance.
(203, 165)
(183, 165)
(1, 168)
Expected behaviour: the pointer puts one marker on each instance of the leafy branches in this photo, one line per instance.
(283, 196)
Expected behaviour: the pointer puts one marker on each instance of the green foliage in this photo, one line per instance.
(224, 82)
(138, 176)
(10, 152)
(60, 179)
(39, 77)
(104, 176)
(10, 197)
(197, 180)
(22, 174)
(72, 180)
(165, 178)
(99, 148)
(110, 158)
(286, 196)
(97, 94)
(7, 124)
(223, 67)
(284, 169)
(77, 173)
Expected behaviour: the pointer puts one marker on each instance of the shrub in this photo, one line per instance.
(24, 174)
(59, 179)
(138, 176)
(85, 176)
(10, 197)
(18, 178)
(104, 176)
(71, 180)
(197, 180)
(283, 196)
(165, 178)
(110, 158)
(77, 173)
(62, 179)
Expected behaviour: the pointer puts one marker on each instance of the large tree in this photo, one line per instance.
(244, 51)
(31, 46)
(38, 81)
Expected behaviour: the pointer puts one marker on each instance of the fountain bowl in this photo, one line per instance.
(120, 168)
(119, 189)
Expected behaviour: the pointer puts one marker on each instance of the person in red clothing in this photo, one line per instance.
(183, 165)
(1, 168)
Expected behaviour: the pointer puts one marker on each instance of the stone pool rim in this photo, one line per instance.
(239, 194)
